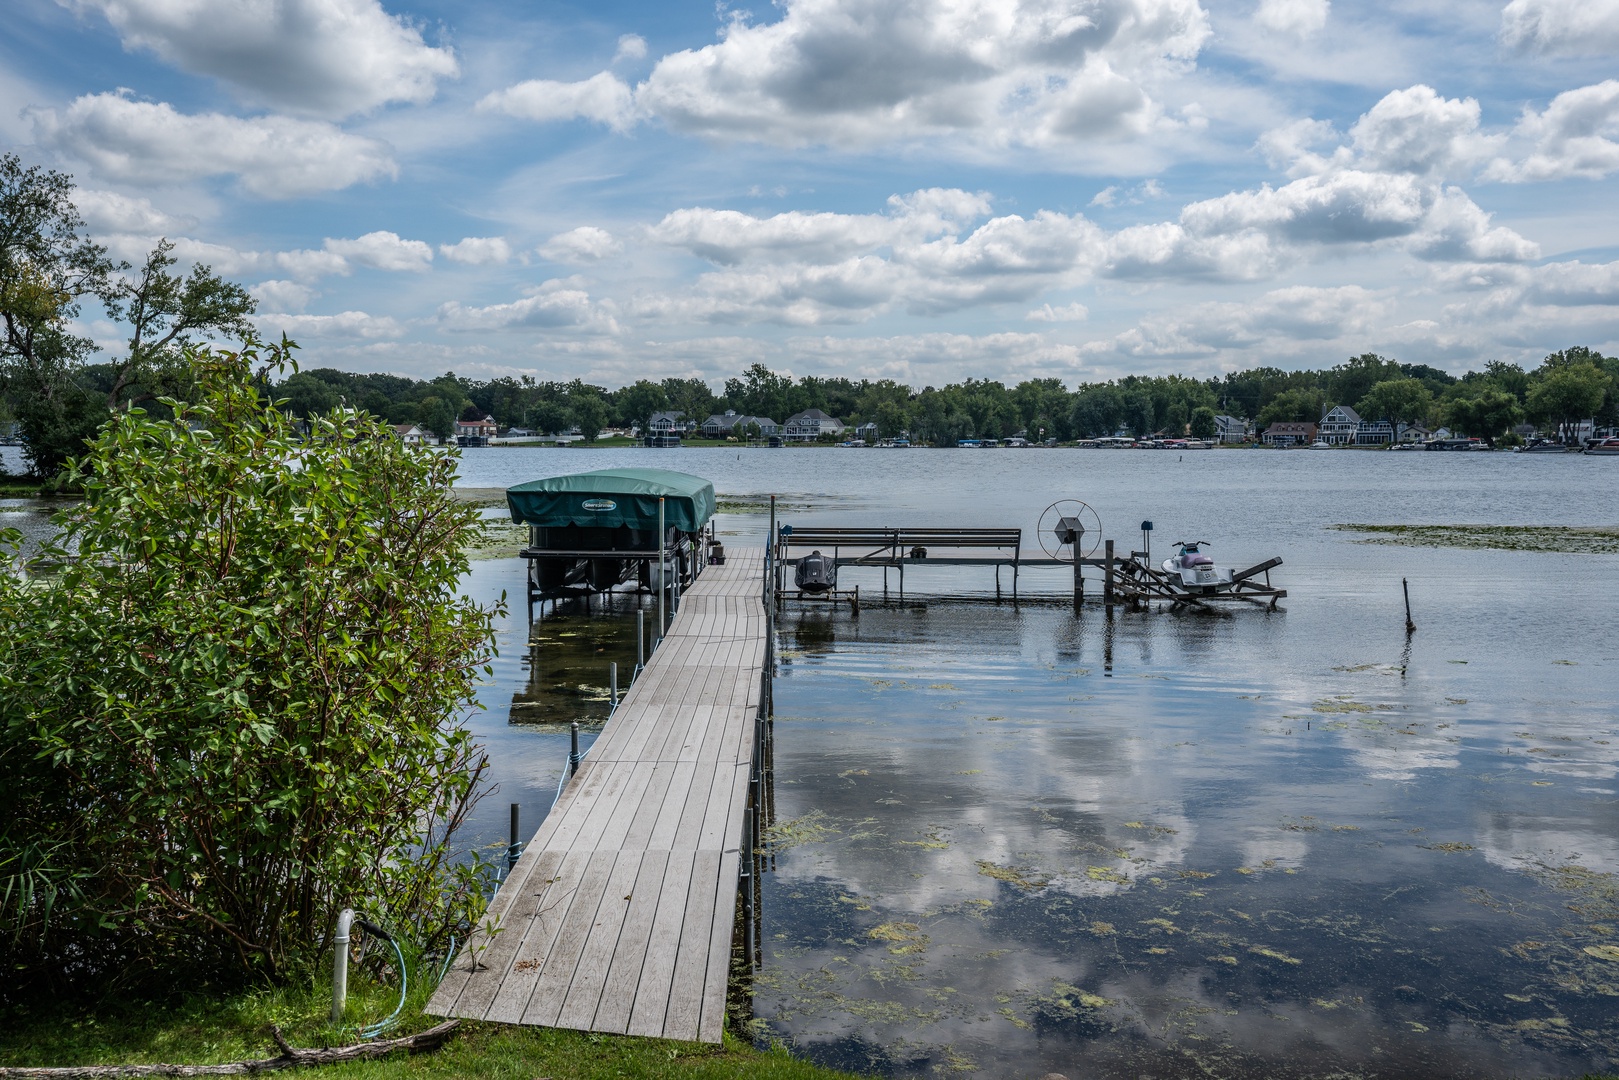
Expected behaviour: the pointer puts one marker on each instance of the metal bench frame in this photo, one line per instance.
(889, 547)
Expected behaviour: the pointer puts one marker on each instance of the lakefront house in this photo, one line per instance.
(730, 422)
(1290, 433)
(1340, 427)
(810, 425)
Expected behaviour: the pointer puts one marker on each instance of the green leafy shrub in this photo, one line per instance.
(236, 707)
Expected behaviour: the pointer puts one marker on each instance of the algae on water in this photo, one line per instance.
(1576, 539)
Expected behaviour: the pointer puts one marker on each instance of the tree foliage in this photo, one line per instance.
(1398, 401)
(48, 268)
(235, 709)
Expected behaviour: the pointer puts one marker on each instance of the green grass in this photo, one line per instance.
(204, 1030)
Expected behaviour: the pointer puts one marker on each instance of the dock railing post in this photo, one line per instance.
(612, 683)
(573, 752)
(640, 640)
(663, 577)
(1107, 581)
(771, 571)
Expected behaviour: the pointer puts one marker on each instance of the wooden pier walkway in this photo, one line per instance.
(620, 914)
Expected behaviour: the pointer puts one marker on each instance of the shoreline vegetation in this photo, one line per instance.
(1568, 539)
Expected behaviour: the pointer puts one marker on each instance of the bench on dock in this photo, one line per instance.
(900, 547)
(891, 546)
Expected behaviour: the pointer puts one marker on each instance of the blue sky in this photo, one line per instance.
(919, 189)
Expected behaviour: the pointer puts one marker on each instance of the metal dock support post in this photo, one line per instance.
(573, 753)
(1107, 581)
(514, 850)
(640, 640)
(612, 683)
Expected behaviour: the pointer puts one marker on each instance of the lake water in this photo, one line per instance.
(1010, 840)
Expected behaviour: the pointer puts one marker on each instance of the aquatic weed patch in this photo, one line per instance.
(1573, 539)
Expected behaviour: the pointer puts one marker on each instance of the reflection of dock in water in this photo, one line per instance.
(620, 915)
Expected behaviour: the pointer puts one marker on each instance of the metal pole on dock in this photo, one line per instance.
(663, 580)
(514, 849)
(573, 753)
(612, 683)
(1107, 581)
(640, 639)
(770, 557)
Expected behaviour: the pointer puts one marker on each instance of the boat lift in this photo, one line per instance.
(591, 532)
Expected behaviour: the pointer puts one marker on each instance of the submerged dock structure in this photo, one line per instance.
(621, 913)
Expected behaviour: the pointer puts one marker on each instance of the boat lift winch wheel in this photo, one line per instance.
(1069, 530)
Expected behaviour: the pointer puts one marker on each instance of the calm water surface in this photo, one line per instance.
(1010, 841)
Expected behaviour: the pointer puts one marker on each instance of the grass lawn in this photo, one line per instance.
(204, 1030)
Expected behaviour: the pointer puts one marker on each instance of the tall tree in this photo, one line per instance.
(1567, 394)
(1396, 400)
(167, 312)
(1484, 416)
(47, 268)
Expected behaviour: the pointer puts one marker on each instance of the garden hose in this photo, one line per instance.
(371, 1031)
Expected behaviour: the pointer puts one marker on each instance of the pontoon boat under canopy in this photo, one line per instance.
(611, 498)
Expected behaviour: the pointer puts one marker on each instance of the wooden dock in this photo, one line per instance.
(620, 914)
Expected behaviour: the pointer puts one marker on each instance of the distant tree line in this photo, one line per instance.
(1572, 385)
(50, 391)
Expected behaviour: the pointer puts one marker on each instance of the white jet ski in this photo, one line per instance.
(1195, 571)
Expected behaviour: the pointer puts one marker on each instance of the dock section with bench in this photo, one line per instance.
(1131, 580)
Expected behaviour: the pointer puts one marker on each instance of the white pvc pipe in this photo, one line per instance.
(340, 964)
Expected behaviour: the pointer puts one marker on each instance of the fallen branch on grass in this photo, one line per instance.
(291, 1057)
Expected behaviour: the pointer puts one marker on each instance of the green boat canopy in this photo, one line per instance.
(609, 498)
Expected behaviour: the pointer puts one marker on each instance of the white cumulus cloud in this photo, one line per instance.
(325, 57)
(346, 324)
(1075, 312)
(630, 47)
(111, 212)
(1577, 135)
(280, 295)
(1567, 27)
(585, 244)
(383, 250)
(604, 98)
(854, 72)
(554, 305)
(477, 250)
(1273, 319)
(1300, 18)
(151, 142)
(1419, 132)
